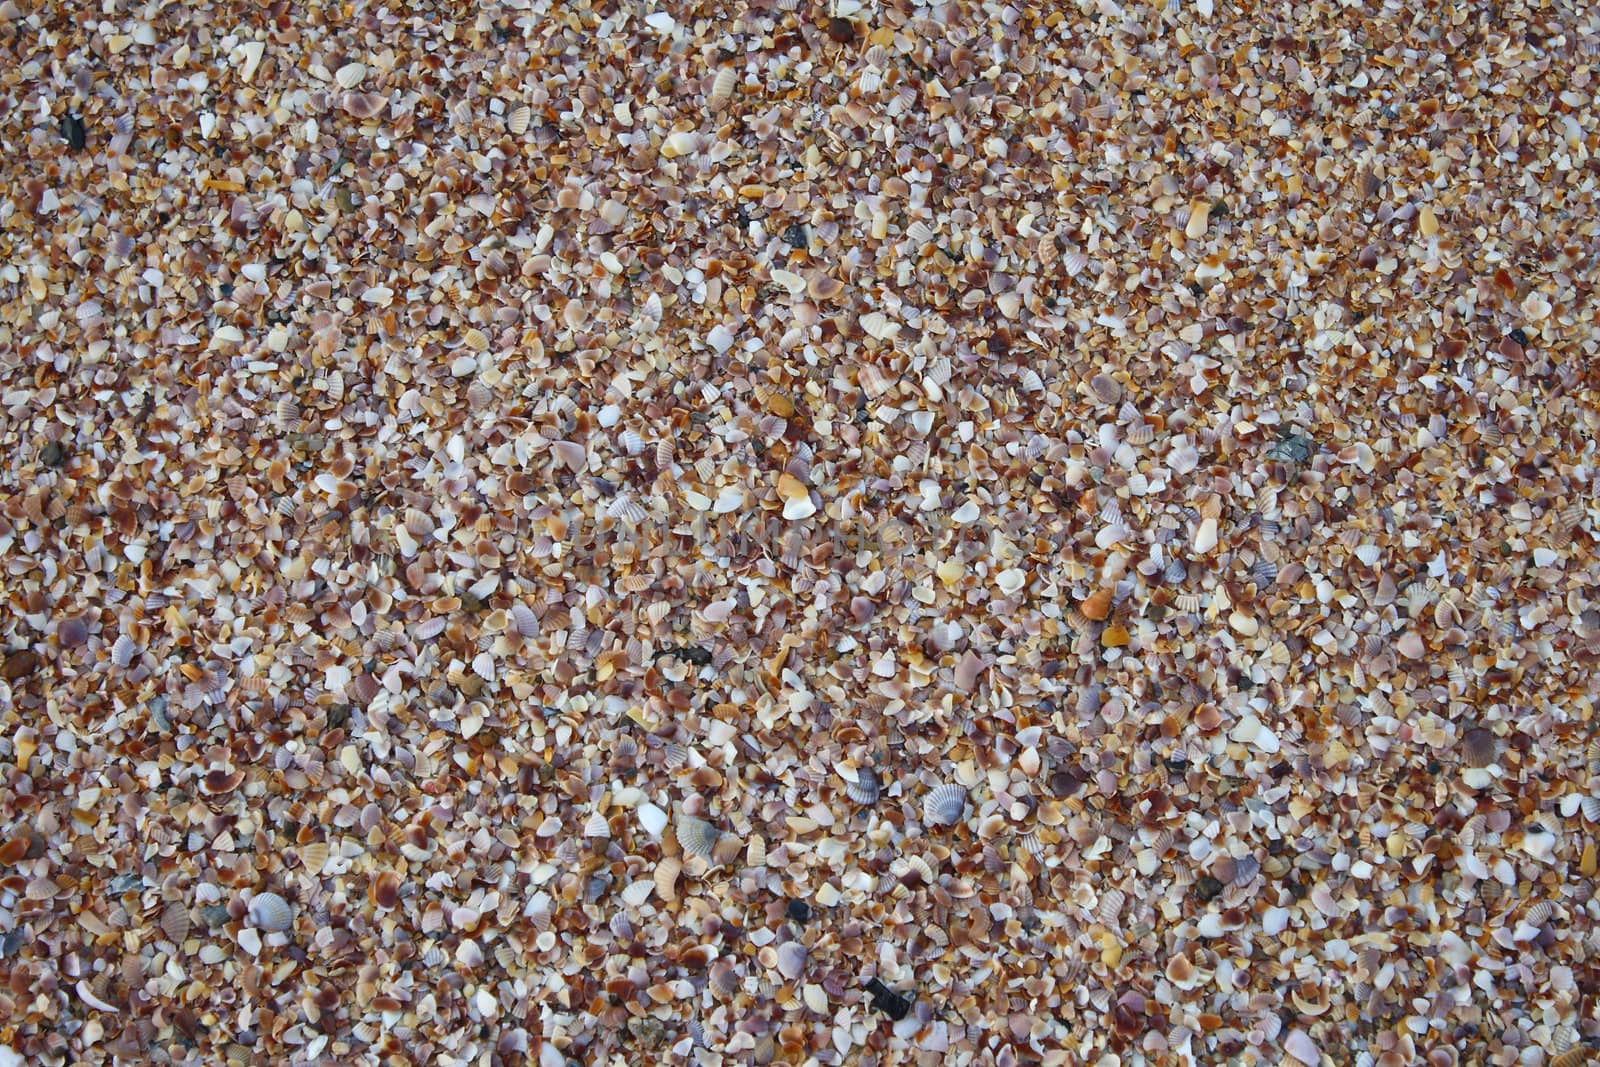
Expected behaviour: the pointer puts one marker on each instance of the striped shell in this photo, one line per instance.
(627, 509)
(479, 395)
(724, 978)
(866, 788)
(1479, 747)
(123, 651)
(313, 856)
(631, 442)
(271, 912)
(175, 923)
(518, 119)
(1109, 912)
(944, 805)
(722, 88)
(666, 877)
(596, 826)
(663, 454)
(524, 621)
(755, 853)
(696, 836)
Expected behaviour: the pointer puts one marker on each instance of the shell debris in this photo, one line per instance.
(800, 532)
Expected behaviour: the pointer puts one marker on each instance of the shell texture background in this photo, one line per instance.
(1095, 500)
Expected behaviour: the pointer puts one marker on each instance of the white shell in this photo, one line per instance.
(722, 87)
(524, 620)
(350, 75)
(791, 959)
(944, 805)
(596, 826)
(271, 912)
(123, 651)
(517, 121)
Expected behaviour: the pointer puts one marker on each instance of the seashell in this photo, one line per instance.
(1264, 572)
(363, 106)
(631, 442)
(870, 81)
(1109, 912)
(175, 923)
(518, 119)
(666, 877)
(479, 395)
(366, 1032)
(287, 413)
(792, 960)
(524, 621)
(1479, 747)
(123, 651)
(877, 56)
(867, 787)
(1538, 914)
(944, 805)
(350, 75)
(755, 854)
(873, 381)
(1031, 382)
(313, 856)
(696, 836)
(419, 523)
(1105, 389)
(663, 454)
(724, 978)
(722, 88)
(1590, 806)
(433, 956)
(1471, 831)
(271, 912)
(596, 826)
(674, 756)
(1141, 433)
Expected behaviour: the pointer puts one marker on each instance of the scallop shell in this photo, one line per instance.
(1539, 914)
(674, 756)
(755, 853)
(596, 826)
(366, 1032)
(1110, 910)
(1590, 806)
(663, 454)
(722, 88)
(123, 651)
(944, 805)
(1264, 572)
(696, 836)
(433, 956)
(1141, 433)
(518, 119)
(524, 621)
(866, 788)
(631, 442)
(1479, 747)
(479, 395)
(627, 509)
(271, 912)
(350, 75)
(175, 923)
(1471, 831)
(1105, 389)
(724, 979)
(313, 856)
(877, 56)
(287, 412)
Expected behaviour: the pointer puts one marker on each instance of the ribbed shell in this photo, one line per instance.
(123, 651)
(1479, 747)
(866, 788)
(666, 877)
(271, 912)
(944, 805)
(175, 923)
(518, 119)
(596, 826)
(722, 88)
(696, 836)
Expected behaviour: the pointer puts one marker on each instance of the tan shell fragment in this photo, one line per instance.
(666, 878)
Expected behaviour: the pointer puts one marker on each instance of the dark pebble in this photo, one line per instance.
(1520, 337)
(888, 1001)
(1206, 887)
(52, 454)
(72, 129)
(795, 236)
(18, 664)
(798, 910)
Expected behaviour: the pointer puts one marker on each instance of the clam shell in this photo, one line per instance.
(596, 826)
(518, 119)
(271, 912)
(792, 960)
(123, 651)
(944, 805)
(350, 75)
(524, 621)
(1479, 747)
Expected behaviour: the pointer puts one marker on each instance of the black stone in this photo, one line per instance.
(51, 454)
(72, 129)
(795, 236)
(888, 1001)
(1520, 337)
(1207, 887)
(798, 910)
